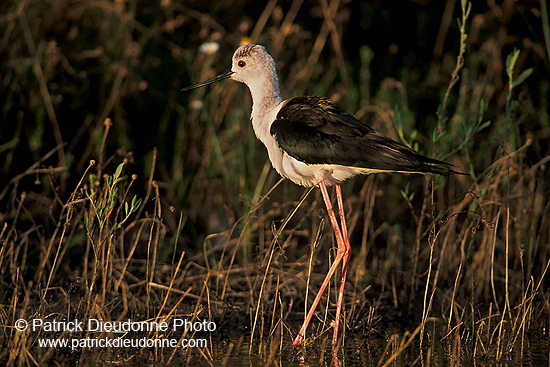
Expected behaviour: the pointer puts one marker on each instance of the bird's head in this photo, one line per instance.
(251, 65)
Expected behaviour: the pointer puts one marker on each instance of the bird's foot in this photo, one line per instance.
(298, 342)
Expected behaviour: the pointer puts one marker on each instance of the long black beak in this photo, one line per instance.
(209, 81)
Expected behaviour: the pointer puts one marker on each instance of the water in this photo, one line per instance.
(394, 348)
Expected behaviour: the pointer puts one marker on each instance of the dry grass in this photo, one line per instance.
(444, 271)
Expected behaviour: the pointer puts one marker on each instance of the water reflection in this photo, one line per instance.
(393, 348)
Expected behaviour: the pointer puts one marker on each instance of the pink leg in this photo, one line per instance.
(343, 252)
(345, 262)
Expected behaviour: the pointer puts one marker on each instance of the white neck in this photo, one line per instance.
(265, 95)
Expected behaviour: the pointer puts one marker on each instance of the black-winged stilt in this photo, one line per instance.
(314, 143)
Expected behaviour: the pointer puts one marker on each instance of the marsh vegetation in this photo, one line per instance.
(123, 198)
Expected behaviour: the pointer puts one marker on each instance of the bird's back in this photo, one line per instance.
(316, 132)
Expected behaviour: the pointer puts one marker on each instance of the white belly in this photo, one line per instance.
(311, 175)
(298, 172)
(308, 174)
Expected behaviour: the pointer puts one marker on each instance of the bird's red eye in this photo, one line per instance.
(241, 63)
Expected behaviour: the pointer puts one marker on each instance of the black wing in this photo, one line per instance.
(314, 131)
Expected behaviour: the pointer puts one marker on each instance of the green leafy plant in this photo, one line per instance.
(103, 202)
(511, 103)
